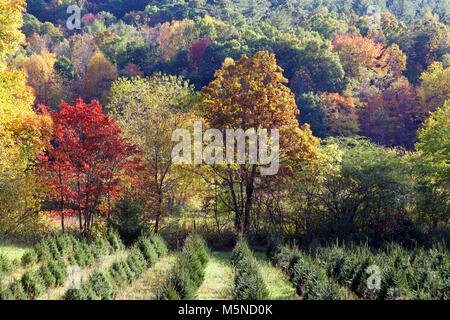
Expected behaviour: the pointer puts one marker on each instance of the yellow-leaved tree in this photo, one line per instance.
(23, 132)
(41, 76)
(99, 77)
(434, 88)
(148, 110)
(432, 170)
(250, 95)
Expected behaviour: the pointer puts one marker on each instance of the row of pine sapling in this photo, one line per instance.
(106, 285)
(307, 276)
(188, 273)
(402, 274)
(52, 256)
(249, 283)
(338, 272)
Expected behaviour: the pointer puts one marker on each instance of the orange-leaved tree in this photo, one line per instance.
(341, 116)
(251, 94)
(358, 52)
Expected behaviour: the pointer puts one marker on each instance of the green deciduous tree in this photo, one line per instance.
(148, 110)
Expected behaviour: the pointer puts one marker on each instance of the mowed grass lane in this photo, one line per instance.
(219, 277)
(147, 287)
(277, 283)
(218, 283)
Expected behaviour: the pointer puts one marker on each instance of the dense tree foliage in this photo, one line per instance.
(23, 132)
(249, 94)
(85, 162)
(372, 86)
(148, 110)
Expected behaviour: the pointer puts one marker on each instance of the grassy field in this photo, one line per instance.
(146, 288)
(217, 285)
(103, 265)
(12, 250)
(278, 285)
(218, 278)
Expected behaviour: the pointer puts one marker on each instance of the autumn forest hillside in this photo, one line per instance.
(93, 95)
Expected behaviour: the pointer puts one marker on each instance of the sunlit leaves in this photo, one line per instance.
(434, 89)
(87, 158)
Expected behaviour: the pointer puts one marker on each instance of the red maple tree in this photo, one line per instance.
(197, 48)
(84, 165)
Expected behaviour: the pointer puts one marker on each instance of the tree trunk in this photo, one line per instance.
(80, 218)
(62, 202)
(250, 188)
(157, 224)
(159, 214)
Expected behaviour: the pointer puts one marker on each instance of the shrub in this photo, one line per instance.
(272, 245)
(16, 290)
(194, 258)
(128, 221)
(283, 257)
(248, 281)
(443, 288)
(5, 263)
(319, 287)
(359, 281)
(90, 259)
(59, 271)
(100, 248)
(72, 242)
(136, 262)
(299, 271)
(71, 259)
(79, 257)
(201, 249)
(144, 244)
(29, 257)
(240, 251)
(5, 293)
(43, 251)
(178, 285)
(53, 247)
(131, 276)
(159, 244)
(335, 258)
(64, 244)
(32, 284)
(47, 276)
(189, 271)
(274, 249)
(169, 289)
(85, 292)
(119, 274)
(115, 242)
(83, 255)
(389, 287)
(191, 264)
(348, 268)
(102, 285)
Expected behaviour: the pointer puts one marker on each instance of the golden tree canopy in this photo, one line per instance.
(251, 93)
